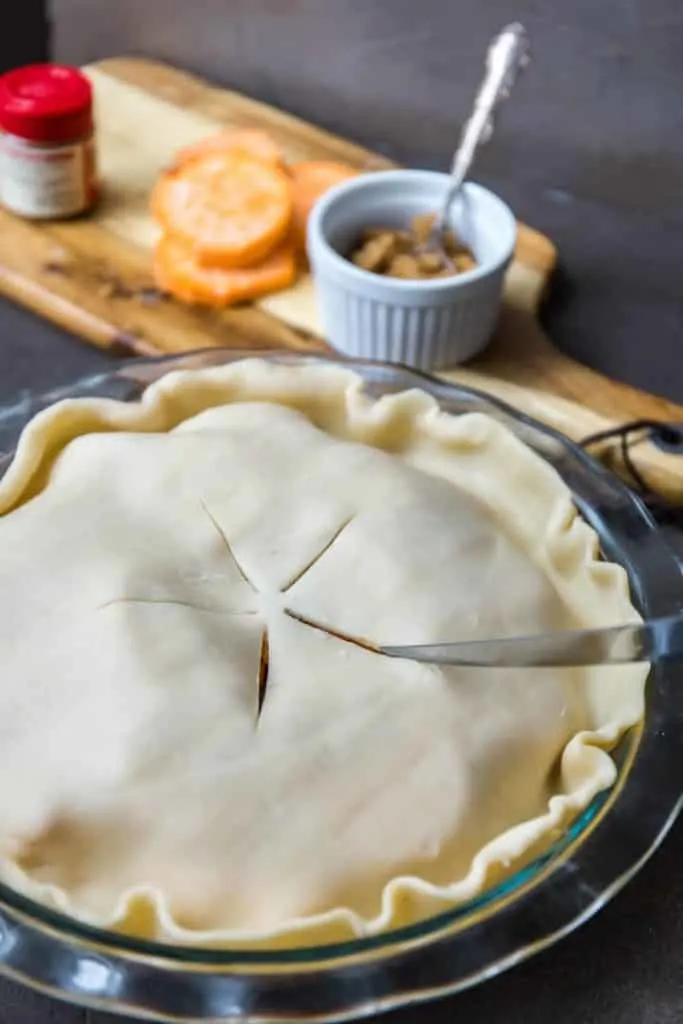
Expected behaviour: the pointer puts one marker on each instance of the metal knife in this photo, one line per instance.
(652, 640)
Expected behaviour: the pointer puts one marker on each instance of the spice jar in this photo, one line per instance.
(47, 151)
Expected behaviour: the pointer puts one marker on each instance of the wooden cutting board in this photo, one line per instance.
(92, 275)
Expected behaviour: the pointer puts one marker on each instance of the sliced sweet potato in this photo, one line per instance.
(230, 208)
(311, 179)
(177, 272)
(249, 140)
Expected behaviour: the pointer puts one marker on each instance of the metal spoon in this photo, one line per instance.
(506, 57)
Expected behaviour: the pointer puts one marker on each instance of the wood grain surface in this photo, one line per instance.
(92, 275)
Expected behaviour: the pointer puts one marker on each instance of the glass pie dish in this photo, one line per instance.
(602, 850)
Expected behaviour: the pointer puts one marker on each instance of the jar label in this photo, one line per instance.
(45, 181)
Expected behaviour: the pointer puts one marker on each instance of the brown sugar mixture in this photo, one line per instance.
(407, 252)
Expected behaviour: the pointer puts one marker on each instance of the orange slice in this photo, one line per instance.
(249, 140)
(176, 271)
(311, 179)
(229, 207)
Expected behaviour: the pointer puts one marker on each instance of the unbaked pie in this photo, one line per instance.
(196, 742)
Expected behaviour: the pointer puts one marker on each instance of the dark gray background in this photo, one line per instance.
(591, 151)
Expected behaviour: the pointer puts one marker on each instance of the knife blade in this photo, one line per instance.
(652, 640)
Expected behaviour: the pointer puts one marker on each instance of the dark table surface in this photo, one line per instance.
(623, 967)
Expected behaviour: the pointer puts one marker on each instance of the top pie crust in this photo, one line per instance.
(196, 745)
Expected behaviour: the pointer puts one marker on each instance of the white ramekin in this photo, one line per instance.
(425, 324)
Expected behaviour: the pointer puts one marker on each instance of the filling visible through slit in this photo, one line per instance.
(366, 645)
(264, 654)
(316, 558)
(264, 663)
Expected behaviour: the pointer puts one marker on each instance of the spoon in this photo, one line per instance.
(506, 57)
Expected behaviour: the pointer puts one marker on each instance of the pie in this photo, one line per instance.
(199, 742)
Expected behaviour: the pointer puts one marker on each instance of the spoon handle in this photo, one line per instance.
(507, 56)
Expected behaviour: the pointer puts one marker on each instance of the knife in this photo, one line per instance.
(659, 639)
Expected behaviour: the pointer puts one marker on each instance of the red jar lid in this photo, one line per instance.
(46, 103)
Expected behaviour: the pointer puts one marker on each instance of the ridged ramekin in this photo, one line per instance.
(426, 324)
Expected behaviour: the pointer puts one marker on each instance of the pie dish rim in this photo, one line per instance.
(18, 914)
